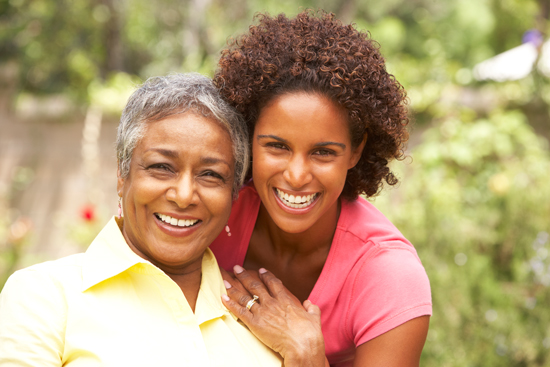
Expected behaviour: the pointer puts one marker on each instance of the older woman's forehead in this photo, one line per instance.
(174, 134)
(189, 123)
(161, 97)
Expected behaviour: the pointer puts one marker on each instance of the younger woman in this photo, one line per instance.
(325, 119)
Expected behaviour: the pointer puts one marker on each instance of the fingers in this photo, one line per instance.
(237, 310)
(265, 285)
(251, 282)
(312, 309)
(240, 300)
(237, 293)
(230, 281)
(226, 275)
(275, 286)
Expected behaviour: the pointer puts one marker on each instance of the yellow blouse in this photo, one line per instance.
(110, 307)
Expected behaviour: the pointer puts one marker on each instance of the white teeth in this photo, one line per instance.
(175, 222)
(296, 202)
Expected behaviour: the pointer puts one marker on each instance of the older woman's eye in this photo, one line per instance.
(213, 175)
(160, 167)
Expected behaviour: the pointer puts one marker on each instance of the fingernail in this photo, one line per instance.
(262, 271)
(227, 284)
(225, 297)
(238, 269)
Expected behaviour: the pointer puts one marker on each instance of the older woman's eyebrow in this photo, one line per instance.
(164, 152)
(214, 160)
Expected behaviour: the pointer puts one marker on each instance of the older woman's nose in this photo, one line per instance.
(183, 192)
(298, 172)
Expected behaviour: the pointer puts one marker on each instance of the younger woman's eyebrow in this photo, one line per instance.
(321, 144)
(272, 137)
(327, 143)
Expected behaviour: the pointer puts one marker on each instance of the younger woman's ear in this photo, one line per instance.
(356, 154)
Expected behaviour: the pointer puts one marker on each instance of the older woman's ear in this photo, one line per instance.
(120, 182)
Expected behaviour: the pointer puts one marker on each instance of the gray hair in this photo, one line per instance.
(164, 96)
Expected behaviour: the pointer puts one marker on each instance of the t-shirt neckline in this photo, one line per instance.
(334, 246)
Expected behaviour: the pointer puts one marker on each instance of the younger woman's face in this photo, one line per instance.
(301, 152)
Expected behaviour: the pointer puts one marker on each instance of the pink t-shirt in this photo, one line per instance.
(372, 281)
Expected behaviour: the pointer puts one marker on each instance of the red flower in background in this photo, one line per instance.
(87, 212)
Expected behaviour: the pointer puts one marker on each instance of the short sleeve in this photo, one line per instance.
(32, 321)
(390, 288)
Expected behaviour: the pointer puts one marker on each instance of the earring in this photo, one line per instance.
(119, 207)
(228, 231)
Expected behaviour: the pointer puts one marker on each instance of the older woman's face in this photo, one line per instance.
(177, 196)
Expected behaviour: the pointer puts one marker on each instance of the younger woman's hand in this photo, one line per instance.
(277, 318)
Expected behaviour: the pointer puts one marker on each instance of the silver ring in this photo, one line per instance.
(251, 302)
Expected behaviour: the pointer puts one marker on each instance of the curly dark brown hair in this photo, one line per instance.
(316, 53)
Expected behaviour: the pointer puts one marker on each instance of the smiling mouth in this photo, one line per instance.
(177, 222)
(296, 202)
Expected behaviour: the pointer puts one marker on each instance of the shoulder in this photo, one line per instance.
(364, 221)
(365, 237)
(386, 284)
(389, 265)
(387, 288)
(45, 277)
(248, 197)
(385, 262)
(33, 311)
(55, 269)
(385, 296)
(245, 207)
(231, 250)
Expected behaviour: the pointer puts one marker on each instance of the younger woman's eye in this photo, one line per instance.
(276, 145)
(324, 152)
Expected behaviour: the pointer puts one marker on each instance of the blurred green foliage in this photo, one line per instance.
(63, 46)
(474, 198)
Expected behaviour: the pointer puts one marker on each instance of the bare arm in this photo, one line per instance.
(399, 347)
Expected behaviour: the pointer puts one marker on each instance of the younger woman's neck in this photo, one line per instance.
(316, 238)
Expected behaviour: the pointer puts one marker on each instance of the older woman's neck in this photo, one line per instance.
(189, 283)
(187, 276)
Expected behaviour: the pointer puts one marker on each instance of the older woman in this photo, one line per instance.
(147, 292)
(326, 118)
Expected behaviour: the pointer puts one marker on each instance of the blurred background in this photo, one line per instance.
(474, 195)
